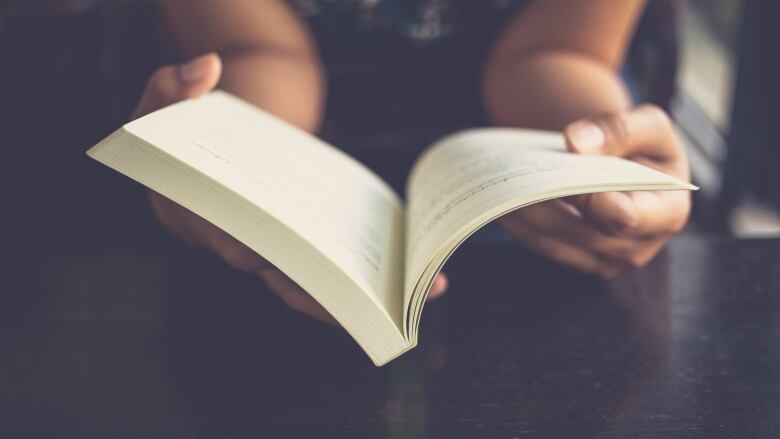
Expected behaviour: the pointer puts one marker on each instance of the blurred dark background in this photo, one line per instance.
(111, 328)
(73, 70)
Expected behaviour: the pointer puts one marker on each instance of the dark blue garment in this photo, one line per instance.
(420, 22)
(402, 73)
(400, 34)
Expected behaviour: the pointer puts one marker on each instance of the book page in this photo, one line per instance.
(323, 195)
(471, 177)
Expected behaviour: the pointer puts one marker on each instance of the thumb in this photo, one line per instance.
(645, 131)
(174, 83)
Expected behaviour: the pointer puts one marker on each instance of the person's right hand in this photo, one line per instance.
(175, 83)
(169, 85)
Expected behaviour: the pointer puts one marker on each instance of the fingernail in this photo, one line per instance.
(586, 137)
(195, 69)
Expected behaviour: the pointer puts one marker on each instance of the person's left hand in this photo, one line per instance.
(605, 233)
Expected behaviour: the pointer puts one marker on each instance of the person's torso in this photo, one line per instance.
(351, 34)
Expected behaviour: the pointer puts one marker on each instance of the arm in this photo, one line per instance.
(556, 67)
(558, 61)
(269, 57)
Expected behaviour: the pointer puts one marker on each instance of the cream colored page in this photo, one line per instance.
(326, 197)
(476, 172)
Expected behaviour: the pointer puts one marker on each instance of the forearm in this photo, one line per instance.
(269, 57)
(557, 61)
(549, 89)
(288, 85)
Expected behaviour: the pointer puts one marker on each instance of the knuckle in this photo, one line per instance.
(607, 272)
(678, 226)
(638, 260)
(292, 302)
(236, 257)
(617, 127)
(656, 113)
(512, 217)
(625, 222)
(162, 83)
(298, 303)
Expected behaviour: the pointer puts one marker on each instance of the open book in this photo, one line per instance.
(333, 226)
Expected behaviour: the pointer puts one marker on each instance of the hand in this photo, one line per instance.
(171, 84)
(605, 233)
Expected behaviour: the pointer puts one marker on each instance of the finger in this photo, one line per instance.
(559, 251)
(174, 83)
(166, 212)
(231, 250)
(294, 296)
(195, 230)
(561, 219)
(645, 131)
(439, 287)
(641, 214)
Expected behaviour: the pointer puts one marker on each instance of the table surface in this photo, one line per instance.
(137, 340)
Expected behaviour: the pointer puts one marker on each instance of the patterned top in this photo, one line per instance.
(79, 66)
(369, 31)
(421, 22)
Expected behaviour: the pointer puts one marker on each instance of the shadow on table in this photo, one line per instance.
(518, 345)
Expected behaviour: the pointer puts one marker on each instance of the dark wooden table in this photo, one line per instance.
(152, 340)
